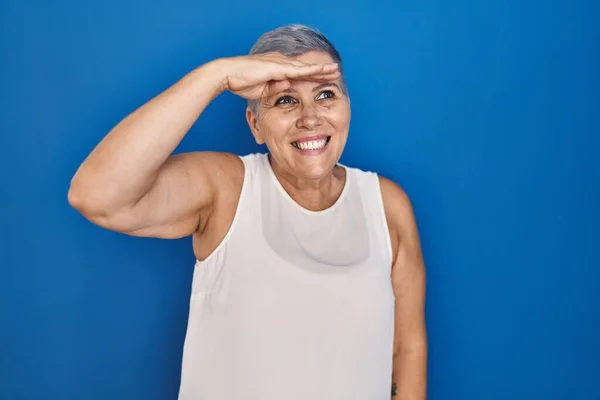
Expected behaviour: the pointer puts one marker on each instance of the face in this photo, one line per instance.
(305, 127)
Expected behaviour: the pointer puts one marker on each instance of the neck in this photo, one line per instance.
(312, 194)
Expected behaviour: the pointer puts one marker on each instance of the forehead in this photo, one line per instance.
(312, 57)
(315, 57)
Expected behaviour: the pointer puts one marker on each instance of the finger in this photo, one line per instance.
(286, 60)
(282, 58)
(296, 72)
(323, 77)
(278, 86)
(329, 68)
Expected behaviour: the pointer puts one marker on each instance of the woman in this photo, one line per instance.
(309, 280)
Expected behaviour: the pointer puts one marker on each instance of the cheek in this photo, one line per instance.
(340, 115)
(278, 118)
(275, 127)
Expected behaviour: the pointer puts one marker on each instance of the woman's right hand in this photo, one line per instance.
(256, 76)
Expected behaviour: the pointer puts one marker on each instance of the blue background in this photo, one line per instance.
(487, 112)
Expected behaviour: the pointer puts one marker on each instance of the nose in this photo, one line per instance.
(309, 119)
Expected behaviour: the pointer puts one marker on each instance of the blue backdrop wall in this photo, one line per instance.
(486, 112)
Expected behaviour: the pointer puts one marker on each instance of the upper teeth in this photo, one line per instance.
(311, 145)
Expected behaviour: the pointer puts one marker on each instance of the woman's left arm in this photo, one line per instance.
(409, 377)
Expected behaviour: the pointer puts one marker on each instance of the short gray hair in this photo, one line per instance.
(294, 40)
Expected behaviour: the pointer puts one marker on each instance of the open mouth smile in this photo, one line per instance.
(312, 145)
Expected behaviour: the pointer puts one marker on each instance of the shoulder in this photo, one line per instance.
(228, 163)
(212, 177)
(215, 168)
(398, 212)
(394, 196)
(225, 174)
(397, 204)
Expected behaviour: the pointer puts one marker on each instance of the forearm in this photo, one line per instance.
(125, 164)
(409, 378)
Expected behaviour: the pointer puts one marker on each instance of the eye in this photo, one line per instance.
(326, 94)
(285, 100)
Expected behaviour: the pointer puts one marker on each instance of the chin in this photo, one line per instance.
(315, 163)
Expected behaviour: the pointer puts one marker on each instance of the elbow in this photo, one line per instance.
(92, 204)
(417, 347)
(80, 196)
(413, 341)
(76, 198)
(102, 208)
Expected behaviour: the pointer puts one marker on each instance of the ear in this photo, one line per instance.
(253, 124)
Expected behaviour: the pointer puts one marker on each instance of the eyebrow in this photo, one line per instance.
(324, 85)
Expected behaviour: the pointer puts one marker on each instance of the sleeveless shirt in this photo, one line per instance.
(294, 304)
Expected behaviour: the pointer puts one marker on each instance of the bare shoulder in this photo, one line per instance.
(218, 171)
(222, 172)
(395, 198)
(225, 173)
(399, 215)
(224, 165)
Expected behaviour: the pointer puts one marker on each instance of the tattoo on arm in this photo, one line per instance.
(393, 389)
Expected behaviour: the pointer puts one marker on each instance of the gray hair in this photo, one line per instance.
(294, 40)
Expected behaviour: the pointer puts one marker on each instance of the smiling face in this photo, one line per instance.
(306, 126)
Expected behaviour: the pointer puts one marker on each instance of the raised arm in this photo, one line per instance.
(409, 377)
(132, 183)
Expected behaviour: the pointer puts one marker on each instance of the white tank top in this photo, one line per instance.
(294, 304)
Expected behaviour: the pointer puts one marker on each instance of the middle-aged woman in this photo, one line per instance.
(309, 281)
